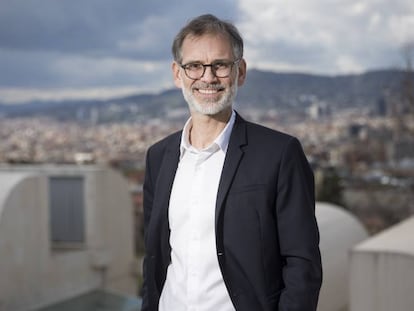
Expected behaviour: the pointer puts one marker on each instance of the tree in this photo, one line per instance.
(330, 187)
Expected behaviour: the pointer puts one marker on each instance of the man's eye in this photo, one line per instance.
(194, 66)
(221, 65)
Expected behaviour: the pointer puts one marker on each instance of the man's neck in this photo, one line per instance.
(205, 129)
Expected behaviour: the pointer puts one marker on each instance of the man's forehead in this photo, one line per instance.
(196, 37)
(217, 43)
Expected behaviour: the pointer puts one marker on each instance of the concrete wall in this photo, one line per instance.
(339, 233)
(32, 272)
(382, 271)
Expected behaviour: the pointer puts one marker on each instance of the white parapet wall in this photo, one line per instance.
(339, 231)
(382, 271)
(34, 271)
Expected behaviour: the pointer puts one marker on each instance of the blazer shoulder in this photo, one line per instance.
(257, 132)
(171, 141)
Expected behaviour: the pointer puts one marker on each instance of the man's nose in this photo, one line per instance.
(208, 74)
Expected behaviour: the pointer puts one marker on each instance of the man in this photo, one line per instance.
(229, 205)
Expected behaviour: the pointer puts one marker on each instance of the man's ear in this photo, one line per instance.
(176, 74)
(242, 72)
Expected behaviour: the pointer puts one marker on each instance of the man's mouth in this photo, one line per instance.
(209, 90)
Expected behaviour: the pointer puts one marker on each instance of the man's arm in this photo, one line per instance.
(298, 231)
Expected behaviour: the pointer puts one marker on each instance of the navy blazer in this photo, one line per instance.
(267, 237)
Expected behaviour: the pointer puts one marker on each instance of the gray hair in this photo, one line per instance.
(208, 24)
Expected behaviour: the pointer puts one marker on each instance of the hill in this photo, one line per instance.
(262, 90)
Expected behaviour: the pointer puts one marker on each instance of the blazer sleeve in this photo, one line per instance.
(148, 189)
(298, 231)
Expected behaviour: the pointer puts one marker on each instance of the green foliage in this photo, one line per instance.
(329, 189)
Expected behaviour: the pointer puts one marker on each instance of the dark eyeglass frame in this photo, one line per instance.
(212, 66)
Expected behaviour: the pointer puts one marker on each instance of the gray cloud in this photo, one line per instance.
(74, 43)
(325, 36)
(65, 44)
(95, 27)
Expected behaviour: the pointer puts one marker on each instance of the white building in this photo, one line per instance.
(65, 231)
(382, 271)
(339, 231)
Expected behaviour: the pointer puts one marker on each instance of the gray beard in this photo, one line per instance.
(213, 107)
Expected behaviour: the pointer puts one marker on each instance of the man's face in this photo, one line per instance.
(208, 95)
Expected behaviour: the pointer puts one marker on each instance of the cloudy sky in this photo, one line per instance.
(103, 48)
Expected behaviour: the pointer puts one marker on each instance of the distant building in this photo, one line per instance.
(84, 158)
(358, 131)
(319, 110)
(382, 108)
(66, 232)
(401, 149)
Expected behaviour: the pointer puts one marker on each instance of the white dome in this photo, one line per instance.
(339, 231)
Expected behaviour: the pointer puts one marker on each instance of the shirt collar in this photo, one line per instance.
(222, 141)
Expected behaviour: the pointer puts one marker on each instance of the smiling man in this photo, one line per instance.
(228, 204)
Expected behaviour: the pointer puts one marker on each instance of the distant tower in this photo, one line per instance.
(382, 107)
(319, 110)
(94, 116)
(80, 114)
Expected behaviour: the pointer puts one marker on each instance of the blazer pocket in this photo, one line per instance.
(246, 188)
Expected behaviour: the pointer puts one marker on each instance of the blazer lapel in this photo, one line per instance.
(165, 180)
(159, 225)
(233, 156)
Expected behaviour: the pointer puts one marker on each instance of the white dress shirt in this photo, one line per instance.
(194, 281)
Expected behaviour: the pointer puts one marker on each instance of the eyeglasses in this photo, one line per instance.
(219, 68)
